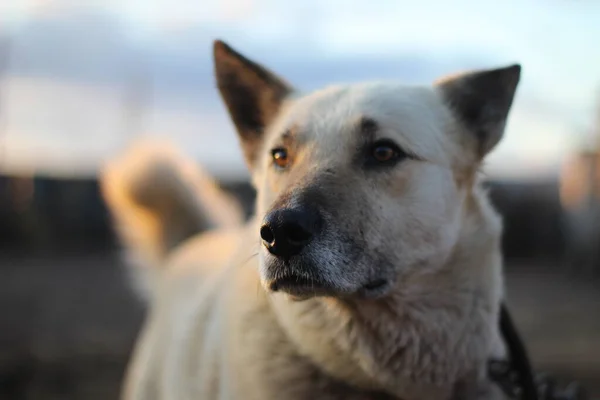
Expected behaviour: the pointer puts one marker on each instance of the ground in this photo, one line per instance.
(69, 321)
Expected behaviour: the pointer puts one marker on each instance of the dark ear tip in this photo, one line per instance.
(220, 48)
(514, 71)
(516, 67)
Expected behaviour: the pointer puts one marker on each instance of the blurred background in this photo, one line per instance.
(80, 79)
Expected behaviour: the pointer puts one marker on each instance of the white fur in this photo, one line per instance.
(214, 333)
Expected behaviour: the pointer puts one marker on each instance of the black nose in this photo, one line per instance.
(285, 232)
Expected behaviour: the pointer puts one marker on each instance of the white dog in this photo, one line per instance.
(372, 268)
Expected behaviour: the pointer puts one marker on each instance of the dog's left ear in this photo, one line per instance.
(481, 100)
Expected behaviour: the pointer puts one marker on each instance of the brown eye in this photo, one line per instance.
(384, 153)
(280, 157)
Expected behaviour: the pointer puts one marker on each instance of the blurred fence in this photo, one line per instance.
(47, 214)
(39, 214)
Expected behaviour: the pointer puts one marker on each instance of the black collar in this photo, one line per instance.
(515, 376)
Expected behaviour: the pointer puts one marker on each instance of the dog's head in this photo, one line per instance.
(360, 185)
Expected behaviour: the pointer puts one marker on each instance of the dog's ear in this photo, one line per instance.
(481, 100)
(253, 96)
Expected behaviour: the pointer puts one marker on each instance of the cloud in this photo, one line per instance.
(313, 43)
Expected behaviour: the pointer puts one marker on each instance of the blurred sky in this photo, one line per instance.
(84, 77)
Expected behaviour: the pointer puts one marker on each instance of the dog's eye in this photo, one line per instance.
(280, 157)
(385, 152)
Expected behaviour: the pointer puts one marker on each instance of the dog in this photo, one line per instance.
(371, 269)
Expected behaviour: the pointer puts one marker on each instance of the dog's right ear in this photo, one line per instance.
(253, 96)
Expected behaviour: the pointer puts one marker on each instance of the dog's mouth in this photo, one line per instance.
(300, 286)
(375, 288)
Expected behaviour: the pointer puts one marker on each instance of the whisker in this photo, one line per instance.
(249, 258)
(258, 287)
(311, 278)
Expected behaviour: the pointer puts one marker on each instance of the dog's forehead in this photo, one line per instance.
(415, 116)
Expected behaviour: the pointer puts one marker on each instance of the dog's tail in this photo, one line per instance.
(158, 198)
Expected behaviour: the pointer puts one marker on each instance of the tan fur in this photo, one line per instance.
(159, 198)
(216, 331)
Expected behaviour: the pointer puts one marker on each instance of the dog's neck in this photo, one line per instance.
(435, 330)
